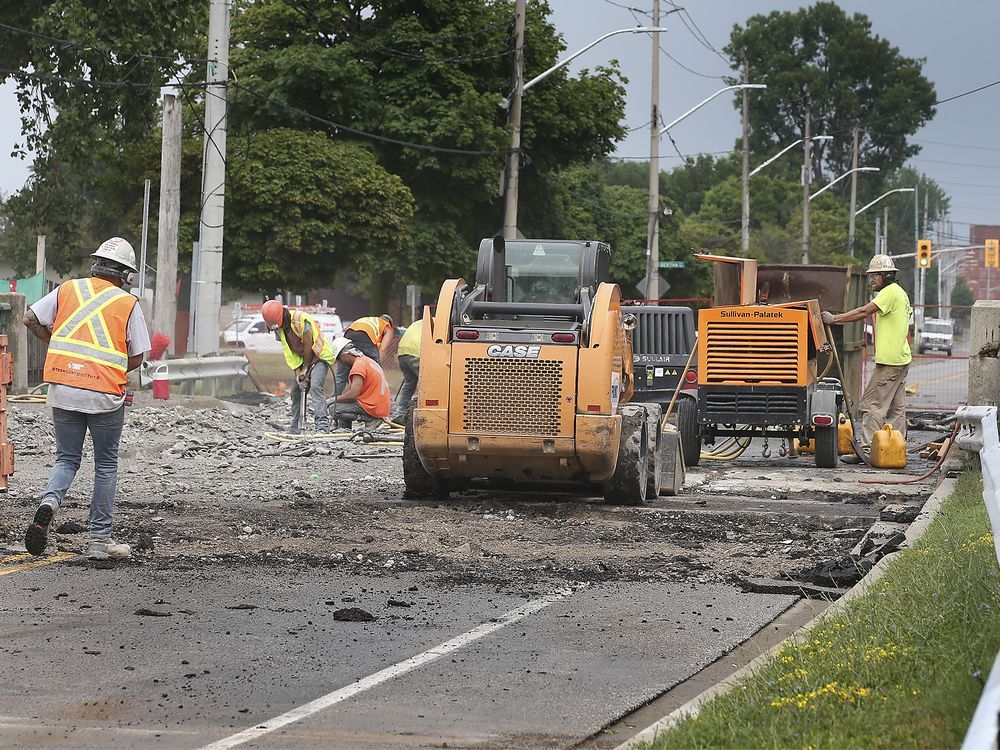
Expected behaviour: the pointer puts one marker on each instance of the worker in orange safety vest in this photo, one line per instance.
(372, 336)
(96, 334)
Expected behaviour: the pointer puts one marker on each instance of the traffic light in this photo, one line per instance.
(924, 253)
(992, 253)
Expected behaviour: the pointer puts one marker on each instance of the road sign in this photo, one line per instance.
(643, 285)
(671, 264)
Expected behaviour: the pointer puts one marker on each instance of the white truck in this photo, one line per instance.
(937, 335)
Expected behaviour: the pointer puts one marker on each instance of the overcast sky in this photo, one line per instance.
(958, 40)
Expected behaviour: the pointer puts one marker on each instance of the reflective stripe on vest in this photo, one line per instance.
(88, 348)
(373, 326)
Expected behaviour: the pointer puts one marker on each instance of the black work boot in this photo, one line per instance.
(37, 535)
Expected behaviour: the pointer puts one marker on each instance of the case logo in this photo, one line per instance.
(520, 351)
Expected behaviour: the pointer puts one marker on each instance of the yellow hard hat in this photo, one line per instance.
(881, 264)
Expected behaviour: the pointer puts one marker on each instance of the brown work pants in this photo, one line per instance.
(884, 402)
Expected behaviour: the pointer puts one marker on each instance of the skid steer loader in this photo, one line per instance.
(526, 379)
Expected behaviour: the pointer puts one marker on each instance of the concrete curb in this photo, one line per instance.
(916, 529)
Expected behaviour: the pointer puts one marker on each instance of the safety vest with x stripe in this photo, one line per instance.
(88, 348)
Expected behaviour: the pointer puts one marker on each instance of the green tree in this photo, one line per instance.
(305, 206)
(819, 58)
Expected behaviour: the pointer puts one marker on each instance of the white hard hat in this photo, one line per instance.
(118, 250)
(342, 343)
(881, 264)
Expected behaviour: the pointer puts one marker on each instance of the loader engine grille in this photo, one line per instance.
(513, 396)
(758, 352)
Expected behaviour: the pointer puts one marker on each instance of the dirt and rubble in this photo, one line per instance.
(201, 484)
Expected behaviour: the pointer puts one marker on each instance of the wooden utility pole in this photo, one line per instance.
(514, 156)
(165, 301)
(745, 219)
(806, 179)
(653, 230)
(854, 193)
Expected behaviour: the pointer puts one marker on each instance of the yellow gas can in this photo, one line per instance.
(845, 434)
(888, 449)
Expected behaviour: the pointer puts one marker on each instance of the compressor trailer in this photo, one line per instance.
(757, 368)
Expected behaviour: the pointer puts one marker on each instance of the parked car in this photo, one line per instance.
(251, 332)
(937, 335)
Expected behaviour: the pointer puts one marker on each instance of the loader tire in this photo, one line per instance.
(420, 485)
(627, 486)
(654, 474)
(687, 425)
(826, 447)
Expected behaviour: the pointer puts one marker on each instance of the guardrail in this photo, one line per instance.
(978, 434)
(194, 368)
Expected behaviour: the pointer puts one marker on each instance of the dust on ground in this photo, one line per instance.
(200, 484)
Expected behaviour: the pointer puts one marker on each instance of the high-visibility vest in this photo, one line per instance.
(320, 346)
(89, 348)
(371, 325)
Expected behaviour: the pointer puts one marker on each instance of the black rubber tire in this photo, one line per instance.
(627, 486)
(949, 352)
(687, 424)
(420, 485)
(654, 473)
(826, 447)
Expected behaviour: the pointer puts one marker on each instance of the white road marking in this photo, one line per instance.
(396, 670)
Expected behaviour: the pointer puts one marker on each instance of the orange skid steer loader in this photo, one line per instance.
(526, 379)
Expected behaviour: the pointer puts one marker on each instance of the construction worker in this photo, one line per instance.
(308, 353)
(367, 396)
(408, 354)
(884, 398)
(96, 333)
(370, 335)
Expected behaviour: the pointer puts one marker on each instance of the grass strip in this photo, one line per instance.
(903, 666)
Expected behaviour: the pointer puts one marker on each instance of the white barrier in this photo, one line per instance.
(978, 434)
(194, 368)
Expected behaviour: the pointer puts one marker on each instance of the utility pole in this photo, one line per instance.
(854, 193)
(213, 190)
(806, 179)
(653, 230)
(145, 238)
(40, 254)
(885, 229)
(165, 300)
(878, 236)
(921, 273)
(514, 156)
(745, 219)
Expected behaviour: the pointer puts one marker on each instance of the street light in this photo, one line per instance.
(703, 102)
(848, 173)
(514, 104)
(653, 235)
(788, 148)
(896, 190)
(542, 76)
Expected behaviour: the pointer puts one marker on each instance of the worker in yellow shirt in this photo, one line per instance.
(408, 354)
(884, 398)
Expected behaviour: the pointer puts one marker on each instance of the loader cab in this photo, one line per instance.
(541, 271)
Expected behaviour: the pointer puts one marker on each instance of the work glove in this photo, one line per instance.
(827, 317)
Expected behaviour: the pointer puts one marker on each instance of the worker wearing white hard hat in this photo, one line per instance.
(96, 334)
(884, 398)
(366, 397)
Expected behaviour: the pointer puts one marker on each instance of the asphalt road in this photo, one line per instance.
(241, 646)
(938, 382)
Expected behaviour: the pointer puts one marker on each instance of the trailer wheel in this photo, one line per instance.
(687, 425)
(627, 486)
(419, 483)
(826, 447)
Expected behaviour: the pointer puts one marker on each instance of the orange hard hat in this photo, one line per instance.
(273, 313)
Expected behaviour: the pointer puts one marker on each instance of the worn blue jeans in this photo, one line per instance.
(317, 381)
(105, 432)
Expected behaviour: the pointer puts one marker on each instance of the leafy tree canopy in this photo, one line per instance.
(819, 58)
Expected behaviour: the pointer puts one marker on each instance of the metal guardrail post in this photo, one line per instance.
(6, 449)
(978, 434)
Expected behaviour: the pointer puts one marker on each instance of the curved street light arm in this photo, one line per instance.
(846, 174)
(788, 148)
(897, 190)
(737, 87)
(542, 76)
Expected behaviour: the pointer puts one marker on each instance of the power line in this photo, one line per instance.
(955, 163)
(957, 145)
(364, 133)
(89, 48)
(99, 83)
(689, 70)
